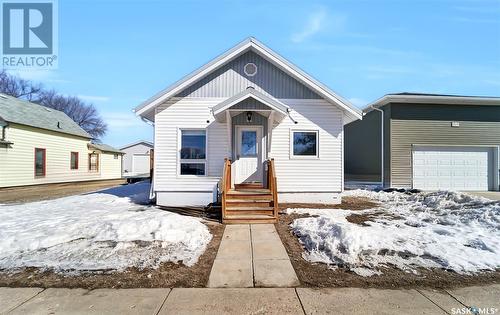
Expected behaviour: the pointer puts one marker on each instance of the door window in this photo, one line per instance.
(248, 143)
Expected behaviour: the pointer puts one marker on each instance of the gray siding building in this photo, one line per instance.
(430, 142)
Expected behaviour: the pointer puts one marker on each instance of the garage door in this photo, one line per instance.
(140, 163)
(452, 168)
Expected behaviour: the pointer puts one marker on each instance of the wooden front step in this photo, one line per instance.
(244, 186)
(249, 219)
(249, 202)
(251, 194)
(232, 210)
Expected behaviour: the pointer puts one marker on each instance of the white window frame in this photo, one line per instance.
(304, 157)
(191, 161)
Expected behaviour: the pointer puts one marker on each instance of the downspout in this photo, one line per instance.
(381, 143)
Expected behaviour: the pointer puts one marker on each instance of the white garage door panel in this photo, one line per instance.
(140, 163)
(451, 168)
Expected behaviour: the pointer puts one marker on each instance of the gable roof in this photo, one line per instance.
(425, 98)
(251, 93)
(256, 46)
(22, 112)
(104, 148)
(146, 143)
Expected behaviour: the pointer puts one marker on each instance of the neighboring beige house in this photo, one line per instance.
(39, 145)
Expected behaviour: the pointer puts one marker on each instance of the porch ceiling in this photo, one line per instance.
(271, 105)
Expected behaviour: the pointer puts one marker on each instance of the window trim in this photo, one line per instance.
(304, 157)
(44, 162)
(97, 163)
(77, 160)
(191, 161)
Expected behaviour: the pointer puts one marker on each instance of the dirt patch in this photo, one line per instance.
(53, 191)
(319, 275)
(167, 275)
(362, 218)
(350, 203)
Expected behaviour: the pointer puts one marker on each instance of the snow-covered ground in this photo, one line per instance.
(108, 230)
(446, 230)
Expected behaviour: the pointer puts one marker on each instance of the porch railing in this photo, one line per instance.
(272, 185)
(226, 184)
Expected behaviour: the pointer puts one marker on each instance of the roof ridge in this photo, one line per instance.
(250, 43)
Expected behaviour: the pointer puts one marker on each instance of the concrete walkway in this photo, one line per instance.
(252, 256)
(248, 301)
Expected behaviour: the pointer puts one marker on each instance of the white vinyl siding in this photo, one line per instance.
(109, 166)
(171, 118)
(17, 161)
(322, 174)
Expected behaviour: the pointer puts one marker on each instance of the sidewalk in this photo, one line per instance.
(252, 255)
(247, 301)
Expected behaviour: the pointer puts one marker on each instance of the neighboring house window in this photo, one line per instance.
(93, 162)
(305, 143)
(116, 156)
(40, 162)
(193, 152)
(74, 160)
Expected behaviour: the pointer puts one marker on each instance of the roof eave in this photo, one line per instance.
(250, 43)
(426, 99)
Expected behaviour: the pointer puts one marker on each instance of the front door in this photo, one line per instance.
(248, 154)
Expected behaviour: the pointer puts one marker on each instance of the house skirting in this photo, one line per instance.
(310, 197)
(185, 198)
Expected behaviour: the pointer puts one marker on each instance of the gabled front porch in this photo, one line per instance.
(249, 192)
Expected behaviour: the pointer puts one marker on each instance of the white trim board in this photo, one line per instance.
(256, 46)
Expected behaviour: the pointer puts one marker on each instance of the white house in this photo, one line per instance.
(136, 158)
(249, 105)
(39, 145)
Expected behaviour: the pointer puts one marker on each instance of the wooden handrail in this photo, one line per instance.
(272, 185)
(226, 184)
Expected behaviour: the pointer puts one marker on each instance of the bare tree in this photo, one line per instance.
(84, 114)
(17, 87)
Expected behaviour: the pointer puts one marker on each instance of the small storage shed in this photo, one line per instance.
(136, 160)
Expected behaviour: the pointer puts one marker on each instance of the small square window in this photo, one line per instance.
(305, 143)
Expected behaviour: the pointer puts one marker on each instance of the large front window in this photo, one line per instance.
(305, 143)
(193, 152)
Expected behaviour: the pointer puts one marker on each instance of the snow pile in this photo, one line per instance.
(108, 230)
(442, 229)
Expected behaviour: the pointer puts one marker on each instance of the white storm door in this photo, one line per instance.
(248, 154)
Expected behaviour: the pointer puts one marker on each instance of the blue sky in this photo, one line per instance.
(118, 53)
